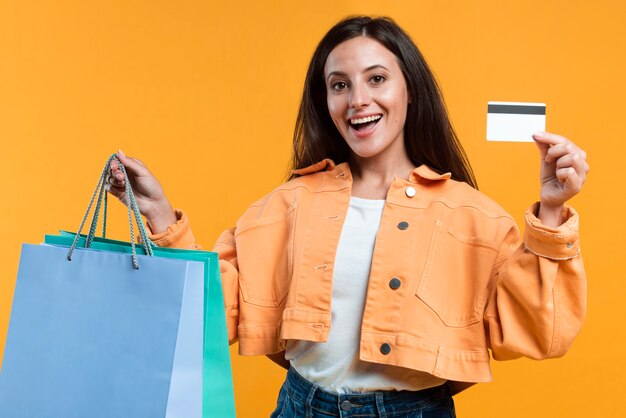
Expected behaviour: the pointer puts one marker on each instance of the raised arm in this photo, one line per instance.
(537, 301)
(563, 172)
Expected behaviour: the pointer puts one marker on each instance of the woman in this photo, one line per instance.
(378, 273)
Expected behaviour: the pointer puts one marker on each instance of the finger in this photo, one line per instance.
(574, 160)
(546, 141)
(118, 192)
(114, 166)
(116, 180)
(543, 149)
(570, 179)
(132, 164)
(549, 138)
(579, 170)
(557, 151)
(116, 174)
(121, 155)
(115, 171)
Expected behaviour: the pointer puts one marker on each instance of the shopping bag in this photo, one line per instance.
(92, 335)
(218, 395)
(95, 337)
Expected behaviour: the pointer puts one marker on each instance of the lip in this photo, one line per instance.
(364, 133)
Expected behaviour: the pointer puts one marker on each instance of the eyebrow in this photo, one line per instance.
(370, 68)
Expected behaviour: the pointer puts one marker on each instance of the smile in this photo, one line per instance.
(364, 122)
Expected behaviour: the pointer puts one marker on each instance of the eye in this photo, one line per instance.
(378, 79)
(339, 85)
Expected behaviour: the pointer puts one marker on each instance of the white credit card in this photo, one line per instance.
(515, 121)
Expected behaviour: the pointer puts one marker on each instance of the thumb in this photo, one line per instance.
(541, 146)
(132, 165)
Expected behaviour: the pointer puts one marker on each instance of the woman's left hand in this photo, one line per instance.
(564, 169)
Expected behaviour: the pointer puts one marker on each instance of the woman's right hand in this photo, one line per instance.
(151, 200)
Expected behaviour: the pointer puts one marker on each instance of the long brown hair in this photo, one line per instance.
(429, 137)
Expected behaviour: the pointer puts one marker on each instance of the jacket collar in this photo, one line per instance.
(325, 165)
(421, 174)
(425, 174)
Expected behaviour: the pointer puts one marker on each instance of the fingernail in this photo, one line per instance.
(539, 134)
(121, 153)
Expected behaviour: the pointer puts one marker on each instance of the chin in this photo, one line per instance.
(366, 153)
(368, 150)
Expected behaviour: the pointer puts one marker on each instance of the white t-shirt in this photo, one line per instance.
(335, 365)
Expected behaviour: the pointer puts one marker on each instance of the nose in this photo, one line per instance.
(359, 96)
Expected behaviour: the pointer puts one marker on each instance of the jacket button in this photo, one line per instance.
(410, 191)
(385, 349)
(403, 225)
(394, 283)
(346, 406)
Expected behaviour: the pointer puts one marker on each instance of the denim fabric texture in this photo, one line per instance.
(300, 398)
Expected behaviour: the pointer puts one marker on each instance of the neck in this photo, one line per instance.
(372, 177)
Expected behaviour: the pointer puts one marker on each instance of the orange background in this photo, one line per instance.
(206, 93)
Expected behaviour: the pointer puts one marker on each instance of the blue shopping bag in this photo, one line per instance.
(95, 337)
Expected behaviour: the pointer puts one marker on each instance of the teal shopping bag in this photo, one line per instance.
(218, 395)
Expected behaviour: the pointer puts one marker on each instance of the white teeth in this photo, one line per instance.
(366, 119)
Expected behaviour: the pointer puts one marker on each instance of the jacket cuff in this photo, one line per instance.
(177, 235)
(557, 243)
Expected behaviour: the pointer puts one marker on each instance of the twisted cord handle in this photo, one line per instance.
(132, 207)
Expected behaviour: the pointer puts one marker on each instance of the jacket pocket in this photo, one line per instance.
(456, 275)
(264, 254)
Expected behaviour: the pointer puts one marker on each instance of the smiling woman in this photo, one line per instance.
(367, 100)
(378, 274)
(385, 65)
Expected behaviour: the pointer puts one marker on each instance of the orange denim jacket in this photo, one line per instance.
(467, 284)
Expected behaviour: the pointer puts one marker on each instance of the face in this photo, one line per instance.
(367, 97)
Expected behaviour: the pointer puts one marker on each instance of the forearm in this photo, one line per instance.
(550, 215)
(160, 217)
(538, 301)
(176, 234)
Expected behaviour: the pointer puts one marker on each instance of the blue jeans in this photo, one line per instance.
(300, 398)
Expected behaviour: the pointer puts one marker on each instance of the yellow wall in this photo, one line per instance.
(206, 93)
